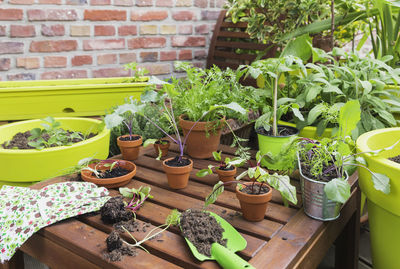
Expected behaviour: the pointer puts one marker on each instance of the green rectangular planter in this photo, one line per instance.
(68, 97)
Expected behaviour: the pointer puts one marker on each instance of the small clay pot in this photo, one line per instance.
(253, 205)
(226, 175)
(112, 182)
(163, 147)
(129, 149)
(198, 144)
(178, 177)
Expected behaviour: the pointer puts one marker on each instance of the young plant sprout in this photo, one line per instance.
(279, 182)
(138, 196)
(153, 141)
(138, 73)
(227, 163)
(110, 164)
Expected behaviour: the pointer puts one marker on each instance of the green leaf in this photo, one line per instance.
(314, 113)
(337, 190)
(202, 173)
(217, 190)
(148, 96)
(217, 156)
(126, 192)
(113, 120)
(349, 116)
(149, 142)
(297, 114)
(282, 184)
(381, 182)
(173, 218)
(298, 47)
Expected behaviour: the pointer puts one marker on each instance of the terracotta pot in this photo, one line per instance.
(163, 147)
(226, 175)
(129, 149)
(253, 205)
(198, 145)
(178, 177)
(113, 182)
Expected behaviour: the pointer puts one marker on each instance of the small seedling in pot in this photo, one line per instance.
(109, 164)
(153, 141)
(138, 196)
(227, 164)
(138, 73)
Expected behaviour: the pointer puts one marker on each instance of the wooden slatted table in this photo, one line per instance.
(286, 238)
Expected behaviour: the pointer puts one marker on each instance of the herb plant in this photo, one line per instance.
(227, 163)
(138, 196)
(138, 73)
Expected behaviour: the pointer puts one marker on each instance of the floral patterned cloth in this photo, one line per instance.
(24, 211)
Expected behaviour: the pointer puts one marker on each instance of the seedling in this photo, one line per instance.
(138, 73)
(138, 197)
(56, 136)
(110, 164)
(227, 163)
(153, 141)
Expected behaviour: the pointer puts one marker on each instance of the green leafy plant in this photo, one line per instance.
(138, 73)
(227, 163)
(109, 164)
(51, 135)
(152, 141)
(137, 196)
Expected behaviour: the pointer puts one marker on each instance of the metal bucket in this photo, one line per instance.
(316, 204)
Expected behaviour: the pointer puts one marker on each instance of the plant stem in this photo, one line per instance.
(155, 124)
(274, 124)
(333, 23)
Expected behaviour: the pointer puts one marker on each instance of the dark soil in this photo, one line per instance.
(115, 172)
(131, 225)
(202, 230)
(255, 189)
(282, 131)
(20, 140)
(225, 168)
(116, 248)
(114, 211)
(164, 142)
(395, 159)
(130, 138)
(178, 163)
(326, 177)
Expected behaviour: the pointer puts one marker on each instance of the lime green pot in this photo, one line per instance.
(21, 100)
(383, 209)
(309, 131)
(273, 145)
(24, 167)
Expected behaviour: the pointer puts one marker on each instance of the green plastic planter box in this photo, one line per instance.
(383, 209)
(24, 167)
(21, 100)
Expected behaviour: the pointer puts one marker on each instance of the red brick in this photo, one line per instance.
(168, 55)
(64, 74)
(50, 2)
(80, 60)
(100, 2)
(110, 72)
(209, 15)
(11, 47)
(201, 3)
(52, 15)
(53, 30)
(5, 64)
(185, 29)
(105, 15)
(55, 61)
(202, 29)
(185, 55)
(107, 59)
(127, 30)
(144, 3)
(53, 46)
(149, 56)
(200, 54)
(104, 30)
(164, 3)
(2, 30)
(22, 76)
(28, 62)
(188, 41)
(21, 2)
(10, 14)
(22, 31)
(184, 15)
(126, 3)
(149, 15)
(146, 42)
(127, 58)
(103, 44)
(157, 69)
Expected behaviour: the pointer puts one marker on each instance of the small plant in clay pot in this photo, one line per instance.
(254, 196)
(226, 169)
(161, 146)
(109, 173)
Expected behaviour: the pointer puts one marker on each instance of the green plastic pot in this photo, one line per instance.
(273, 144)
(21, 100)
(383, 209)
(24, 167)
(309, 131)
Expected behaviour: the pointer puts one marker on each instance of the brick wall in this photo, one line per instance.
(54, 39)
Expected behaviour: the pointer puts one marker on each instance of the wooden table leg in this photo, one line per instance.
(347, 244)
(16, 262)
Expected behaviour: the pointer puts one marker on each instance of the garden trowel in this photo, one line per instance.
(225, 256)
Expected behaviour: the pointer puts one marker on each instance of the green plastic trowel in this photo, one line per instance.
(225, 256)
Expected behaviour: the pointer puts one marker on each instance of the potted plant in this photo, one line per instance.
(226, 169)
(34, 159)
(68, 97)
(255, 195)
(161, 146)
(109, 173)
